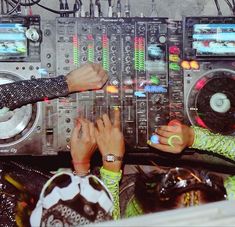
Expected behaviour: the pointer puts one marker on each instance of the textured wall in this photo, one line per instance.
(174, 9)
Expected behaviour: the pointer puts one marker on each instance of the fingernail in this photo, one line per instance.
(116, 108)
(149, 142)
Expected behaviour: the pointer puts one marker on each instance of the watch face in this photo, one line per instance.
(110, 158)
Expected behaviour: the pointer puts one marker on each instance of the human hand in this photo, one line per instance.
(110, 139)
(173, 138)
(83, 145)
(87, 77)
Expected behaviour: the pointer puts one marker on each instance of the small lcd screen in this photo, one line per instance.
(214, 39)
(13, 42)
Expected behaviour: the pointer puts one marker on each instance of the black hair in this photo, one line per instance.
(147, 187)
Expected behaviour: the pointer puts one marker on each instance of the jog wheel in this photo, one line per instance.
(17, 124)
(211, 101)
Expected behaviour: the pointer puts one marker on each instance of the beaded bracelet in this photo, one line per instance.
(75, 163)
(82, 174)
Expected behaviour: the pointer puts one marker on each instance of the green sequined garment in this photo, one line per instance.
(216, 143)
(111, 180)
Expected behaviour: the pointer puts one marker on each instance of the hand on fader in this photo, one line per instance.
(110, 139)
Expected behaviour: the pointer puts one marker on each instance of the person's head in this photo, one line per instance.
(69, 200)
(179, 187)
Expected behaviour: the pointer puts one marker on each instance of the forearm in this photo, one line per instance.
(17, 94)
(111, 180)
(216, 143)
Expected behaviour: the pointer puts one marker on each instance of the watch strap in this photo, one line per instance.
(111, 158)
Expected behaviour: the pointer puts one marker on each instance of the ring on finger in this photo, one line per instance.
(169, 140)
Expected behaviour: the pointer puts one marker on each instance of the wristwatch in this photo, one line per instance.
(111, 158)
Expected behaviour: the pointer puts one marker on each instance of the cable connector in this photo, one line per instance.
(61, 8)
(66, 7)
(76, 9)
(97, 10)
(83, 13)
(91, 9)
(110, 9)
(127, 9)
(119, 8)
(154, 9)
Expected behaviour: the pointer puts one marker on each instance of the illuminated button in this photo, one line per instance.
(185, 65)
(174, 50)
(155, 80)
(194, 65)
(174, 58)
(111, 89)
(200, 84)
(154, 139)
(174, 66)
(42, 72)
(140, 94)
(162, 39)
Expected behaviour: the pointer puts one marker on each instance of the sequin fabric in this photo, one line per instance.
(133, 208)
(15, 203)
(216, 143)
(229, 184)
(17, 94)
(111, 180)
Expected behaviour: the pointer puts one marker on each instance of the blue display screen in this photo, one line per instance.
(13, 42)
(214, 39)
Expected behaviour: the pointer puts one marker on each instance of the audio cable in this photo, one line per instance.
(76, 9)
(218, 7)
(83, 13)
(10, 7)
(91, 9)
(231, 5)
(97, 11)
(66, 8)
(154, 9)
(62, 8)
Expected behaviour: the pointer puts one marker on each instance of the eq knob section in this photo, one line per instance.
(151, 91)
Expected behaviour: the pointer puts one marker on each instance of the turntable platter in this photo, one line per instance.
(211, 102)
(15, 124)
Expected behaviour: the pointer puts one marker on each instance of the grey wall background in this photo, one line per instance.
(173, 9)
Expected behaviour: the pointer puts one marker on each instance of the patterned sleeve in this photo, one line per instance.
(216, 143)
(229, 184)
(111, 180)
(19, 93)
